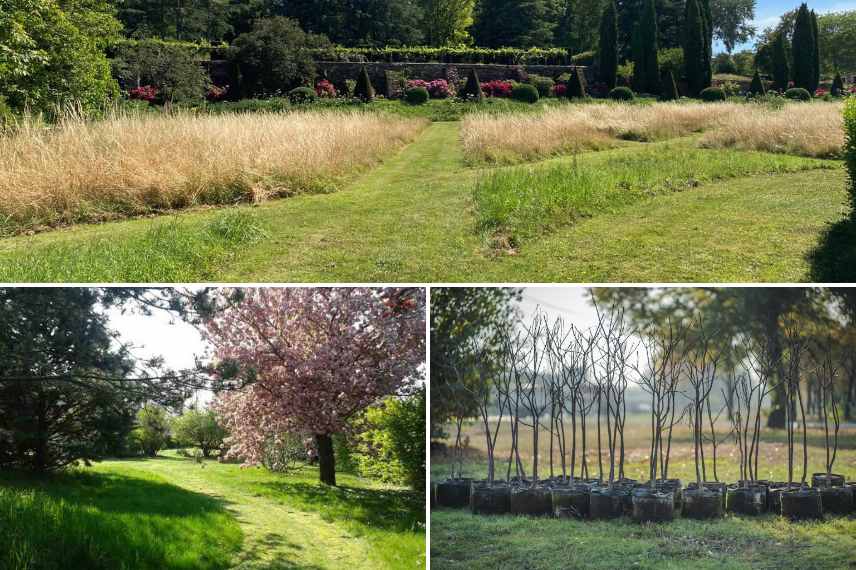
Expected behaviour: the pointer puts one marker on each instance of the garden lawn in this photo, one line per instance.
(414, 219)
(461, 540)
(171, 512)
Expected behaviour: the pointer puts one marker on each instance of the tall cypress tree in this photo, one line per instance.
(815, 78)
(646, 71)
(695, 57)
(803, 48)
(707, 19)
(608, 49)
(781, 73)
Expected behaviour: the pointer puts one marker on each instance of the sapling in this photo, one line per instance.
(701, 367)
(663, 350)
(827, 373)
(530, 369)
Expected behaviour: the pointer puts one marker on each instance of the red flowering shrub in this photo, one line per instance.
(325, 90)
(497, 88)
(216, 93)
(821, 91)
(560, 90)
(414, 83)
(144, 93)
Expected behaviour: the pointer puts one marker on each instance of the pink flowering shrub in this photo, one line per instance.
(414, 83)
(144, 93)
(325, 90)
(439, 89)
(821, 91)
(305, 360)
(216, 93)
(560, 89)
(497, 88)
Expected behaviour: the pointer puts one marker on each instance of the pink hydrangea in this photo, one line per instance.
(325, 90)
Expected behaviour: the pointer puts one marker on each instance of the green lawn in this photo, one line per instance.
(170, 512)
(416, 218)
(461, 540)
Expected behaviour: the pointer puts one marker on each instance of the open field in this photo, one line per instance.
(461, 540)
(428, 213)
(170, 512)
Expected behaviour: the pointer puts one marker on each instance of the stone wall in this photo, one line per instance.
(337, 72)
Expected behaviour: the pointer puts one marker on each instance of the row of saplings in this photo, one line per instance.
(551, 374)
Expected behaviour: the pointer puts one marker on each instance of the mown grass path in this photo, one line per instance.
(411, 219)
(277, 534)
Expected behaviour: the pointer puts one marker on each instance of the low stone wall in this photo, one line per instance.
(222, 72)
(338, 71)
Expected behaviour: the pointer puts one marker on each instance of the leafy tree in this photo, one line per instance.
(608, 46)
(391, 441)
(837, 41)
(152, 431)
(695, 58)
(514, 23)
(275, 57)
(781, 72)
(670, 17)
(577, 24)
(458, 316)
(447, 22)
(646, 71)
(47, 62)
(359, 23)
(172, 69)
(308, 360)
(732, 21)
(803, 45)
(200, 429)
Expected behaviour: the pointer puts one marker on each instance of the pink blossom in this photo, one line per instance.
(310, 358)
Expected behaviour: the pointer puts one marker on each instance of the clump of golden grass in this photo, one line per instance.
(815, 130)
(132, 164)
(797, 128)
(498, 138)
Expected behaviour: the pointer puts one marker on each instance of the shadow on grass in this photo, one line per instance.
(102, 520)
(386, 509)
(254, 557)
(834, 258)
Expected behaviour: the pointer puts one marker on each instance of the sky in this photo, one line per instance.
(160, 335)
(570, 303)
(767, 13)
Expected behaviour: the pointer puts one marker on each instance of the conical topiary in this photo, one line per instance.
(364, 89)
(668, 87)
(756, 88)
(385, 88)
(472, 89)
(837, 85)
(576, 84)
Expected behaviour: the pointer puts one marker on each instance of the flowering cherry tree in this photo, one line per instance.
(307, 359)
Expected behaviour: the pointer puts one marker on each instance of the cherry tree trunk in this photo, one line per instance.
(326, 458)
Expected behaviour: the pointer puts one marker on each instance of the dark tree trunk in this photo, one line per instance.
(326, 458)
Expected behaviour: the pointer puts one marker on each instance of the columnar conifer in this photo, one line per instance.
(803, 49)
(646, 71)
(608, 52)
(695, 57)
(781, 72)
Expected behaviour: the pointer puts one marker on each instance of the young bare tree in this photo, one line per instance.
(701, 366)
(664, 360)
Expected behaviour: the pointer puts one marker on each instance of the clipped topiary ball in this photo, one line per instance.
(416, 96)
(301, 96)
(621, 94)
(712, 94)
(525, 92)
(798, 94)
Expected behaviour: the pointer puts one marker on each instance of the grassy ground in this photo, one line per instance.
(170, 512)
(414, 219)
(461, 540)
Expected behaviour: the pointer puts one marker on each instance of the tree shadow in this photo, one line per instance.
(387, 509)
(834, 258)
(105, 520)
(255, 556)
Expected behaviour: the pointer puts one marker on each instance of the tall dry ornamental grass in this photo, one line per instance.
(796, 128)
(133, 164)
